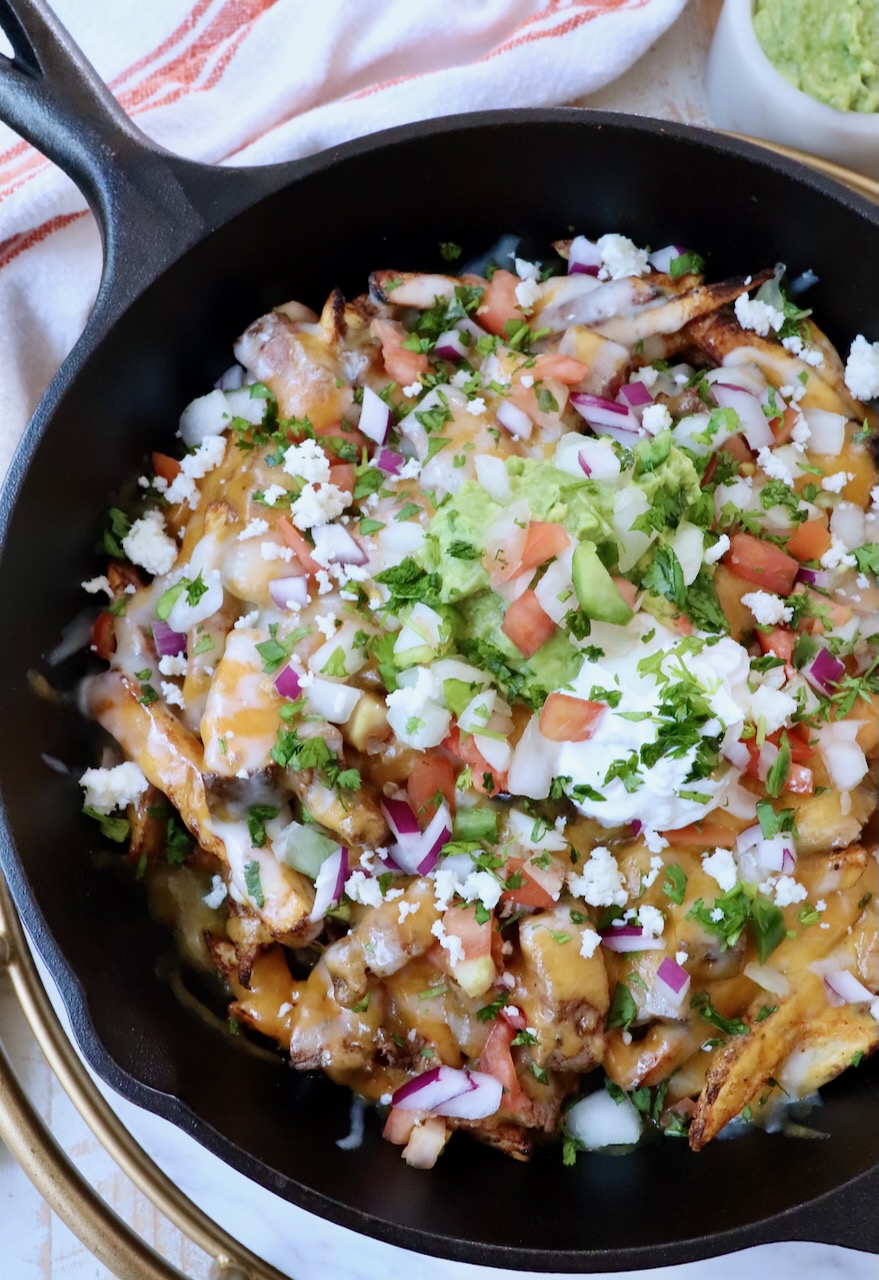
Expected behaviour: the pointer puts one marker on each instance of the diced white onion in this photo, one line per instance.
(335, 702)
(768, 978)
(184, 616)
(492, 475)
(209, 415)
(600, 1121)
(848, 524)
(688, 545)
(533, 765)
(826, 430)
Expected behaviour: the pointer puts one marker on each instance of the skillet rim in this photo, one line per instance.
(113, 302)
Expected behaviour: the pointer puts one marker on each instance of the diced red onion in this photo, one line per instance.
(755, 424)
(287, 592)
(389, 462)
(661, 259)
(287, 684)
(599, 412)
(400, 818)
(583, 257)
(375, 416)
(418, 855)
(514, 420)
(387, 861)
(479, 1102)
(432, 1089)
(330, 883)
(447, 1091)
(815, 578)
(748, 839)
(635, 395)
(168, 643)
(773, 852)
(842, 987)
(630, 937)
(673, 981)
(824, 671)
(449, 346)
(584, 465)
(789, 862)
(334, 543)
(637, 825)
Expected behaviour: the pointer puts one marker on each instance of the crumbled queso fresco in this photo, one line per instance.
(503, 644)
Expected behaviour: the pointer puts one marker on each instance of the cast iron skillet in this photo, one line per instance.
(192, 255)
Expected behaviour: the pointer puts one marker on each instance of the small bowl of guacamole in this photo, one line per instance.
(800, 72)
(827, 48)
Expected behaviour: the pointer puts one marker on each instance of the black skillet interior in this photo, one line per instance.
(389, 202)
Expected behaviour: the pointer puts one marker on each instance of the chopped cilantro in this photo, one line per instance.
(674, 886)
(623, 1010)
(685, 264)
(253, 884)
(257, 817)
(112, 828)
(732, 1026)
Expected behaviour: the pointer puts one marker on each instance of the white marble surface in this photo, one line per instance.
(36, 1246)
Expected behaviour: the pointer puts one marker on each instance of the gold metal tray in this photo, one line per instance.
(23, 1131)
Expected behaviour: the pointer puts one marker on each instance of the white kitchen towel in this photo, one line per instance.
(254, 81)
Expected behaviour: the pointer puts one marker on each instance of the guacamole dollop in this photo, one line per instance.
(827, 48)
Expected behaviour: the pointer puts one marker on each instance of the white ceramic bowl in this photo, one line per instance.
(747, 94)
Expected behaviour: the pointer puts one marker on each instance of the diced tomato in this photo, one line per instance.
(837, 614)
(527, 625)
(782, 428)
(798, 741)
(542, 542)
(738, 447)
(104, 636)
(799, 737)
(342, 476)
(475, 938)
(499, 304)
(627, 590)
(464, 748)
(529, 893)
(761, 563)
(430, 775)
(402, 365)
(778, 641)
(399, 1125)
(809, 540)
(497, 1060)
(567, 719)
(702, 835)
(298, 544)
(166, 468)
(800, 780)
(566, 369)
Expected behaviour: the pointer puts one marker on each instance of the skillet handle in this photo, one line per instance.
(150, 204)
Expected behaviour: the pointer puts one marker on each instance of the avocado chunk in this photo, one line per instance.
(594, 588)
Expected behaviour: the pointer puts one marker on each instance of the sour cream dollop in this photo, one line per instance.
(653, 796)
